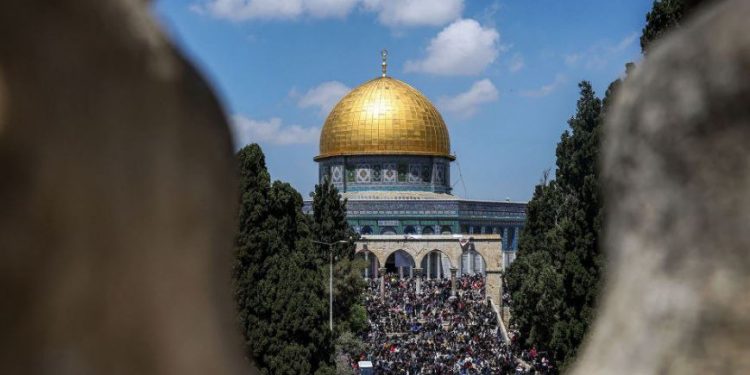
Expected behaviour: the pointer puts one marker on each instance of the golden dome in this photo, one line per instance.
(384, 116)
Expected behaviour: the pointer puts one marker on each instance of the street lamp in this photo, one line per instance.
(330, 277)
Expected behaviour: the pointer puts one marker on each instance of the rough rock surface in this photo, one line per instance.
(677, 166)
(117, 187)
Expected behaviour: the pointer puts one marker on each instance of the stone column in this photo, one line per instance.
(367, 269)
(505, 239)
(382, 282)
(453, 281)
(418, 274)
(429, 260)
(438, 266)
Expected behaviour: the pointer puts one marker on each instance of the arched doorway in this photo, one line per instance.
(436, 265)
(400, 263)
(446, 229)
(388, 230)
(366, 230)
(428, 230)
(410, 230)
(472, 263)
(371, 269)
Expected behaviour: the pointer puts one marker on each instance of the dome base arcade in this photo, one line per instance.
(455, 247)
(387, 173)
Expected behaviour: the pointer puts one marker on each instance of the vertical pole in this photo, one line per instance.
(330, 286)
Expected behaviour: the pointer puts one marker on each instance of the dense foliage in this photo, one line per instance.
(557, 275)
(664, 16)
(554, 281)
(280, 274)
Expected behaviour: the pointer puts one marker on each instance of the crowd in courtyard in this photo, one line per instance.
(432, 332)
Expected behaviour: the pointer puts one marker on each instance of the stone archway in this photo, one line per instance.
(372, 264)
(435, 265)
(401, 263)
(472, 262)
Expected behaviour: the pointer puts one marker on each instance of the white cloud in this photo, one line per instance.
(625, 43)
(392, 13)
(599, 55)
(546, 89)
(462, 48)
(246, 130)
(572, 59)
(324, 96)
(415, 12)
(241, 10)
(516, 63)
(466, 103)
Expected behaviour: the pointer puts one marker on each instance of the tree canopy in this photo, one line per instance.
(281, 274)
(555, 279)
(664, 16)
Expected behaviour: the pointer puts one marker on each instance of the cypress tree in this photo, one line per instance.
(329, 225)
(579, 223)
(555, 278)
(278, 286)
(666, 15)
(251, 242)
(557, 275)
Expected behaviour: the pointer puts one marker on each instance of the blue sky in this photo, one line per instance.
(504, 74)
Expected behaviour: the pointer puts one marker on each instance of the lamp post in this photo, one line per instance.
(330, 278)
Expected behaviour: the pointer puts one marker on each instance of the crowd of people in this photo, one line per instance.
(433, 332)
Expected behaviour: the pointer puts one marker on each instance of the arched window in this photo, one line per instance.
(446, 229)
(428, 230)
(410, 230)
(366, 230)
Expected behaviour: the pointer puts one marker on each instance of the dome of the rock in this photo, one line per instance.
(384, 116)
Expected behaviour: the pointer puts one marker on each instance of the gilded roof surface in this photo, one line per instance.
(384, 116)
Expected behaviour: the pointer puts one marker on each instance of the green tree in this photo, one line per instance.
(666, 15)
(251, 241)
(329, 225)
(579, 225)
(555, 279)
(279, 288)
